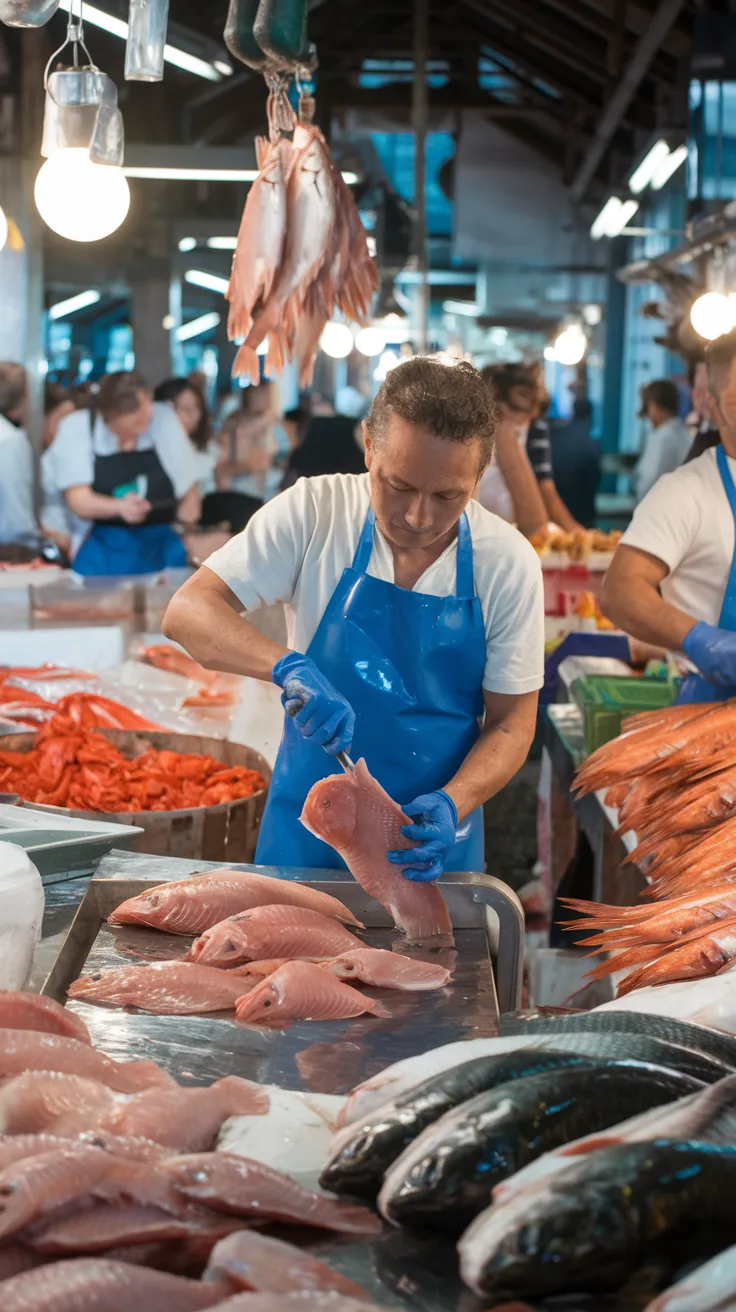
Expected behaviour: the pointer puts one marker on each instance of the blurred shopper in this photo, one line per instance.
(128, 471)
(576, 463)
(252, 441)
(56, 518)
(701, 421)
(673, 578)
(190, 407)
(17, 515)
(668, 440)
(329, 447)
(508, 487)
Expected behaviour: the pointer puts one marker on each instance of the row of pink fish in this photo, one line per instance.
(279, 950)
(108, 1165)
(301, 253)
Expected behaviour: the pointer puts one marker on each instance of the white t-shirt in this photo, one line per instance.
(17, 518)
(70, 460)
(296, 547)
(687, 523)
(664, 450)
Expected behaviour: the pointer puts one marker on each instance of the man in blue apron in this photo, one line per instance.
(128, 471)
(673, 578)
(415, 624)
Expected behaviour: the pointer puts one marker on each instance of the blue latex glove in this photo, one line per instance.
(320, 712)
(713, 651)
(435, 832)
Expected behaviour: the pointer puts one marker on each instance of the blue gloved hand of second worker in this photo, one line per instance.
(713, 651)
(321, 713)
(435, 831)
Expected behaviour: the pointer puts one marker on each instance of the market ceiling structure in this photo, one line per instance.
(579, 80)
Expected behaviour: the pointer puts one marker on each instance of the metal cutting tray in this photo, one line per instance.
(57, 845)
(324, 1056)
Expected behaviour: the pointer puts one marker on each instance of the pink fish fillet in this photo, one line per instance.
(33, 1011)
(26, 1050)
(242, 1187)
(309, 1300)
(356, 816)
(276, 931)
(386, 970)
(168, 988)
(190, 906)
(93, 1284)
(302, 990)
(186, 1120)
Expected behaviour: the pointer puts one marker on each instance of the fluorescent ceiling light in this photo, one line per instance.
(668, 167)
(627, 211)
(643, 174)
(163, 174)
(349, 177)
(227, 70)
(187, 244)
(613, 218)
(221, 243)
(172, 54)
(210, 281)
(74, 303)
(601, 224)
(197, 326)
(192, 175)
(461, 307)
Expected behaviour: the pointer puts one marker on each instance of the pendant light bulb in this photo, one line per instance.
(78, 199)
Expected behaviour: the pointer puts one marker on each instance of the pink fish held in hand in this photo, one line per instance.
(356, 816)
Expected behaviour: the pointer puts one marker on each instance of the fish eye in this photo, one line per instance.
(230, 945)
(266, 1002)
(326, 802)
(96, 976)
(154, 899)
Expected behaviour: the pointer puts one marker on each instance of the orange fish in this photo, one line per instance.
(356, 816)
(697, 955)
(35, 1011)
(254, 1261)
(166, 988)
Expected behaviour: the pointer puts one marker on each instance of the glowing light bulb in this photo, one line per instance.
(570, 345)
(80, 200)
(370, 341)
(336, 340)
(712, 315)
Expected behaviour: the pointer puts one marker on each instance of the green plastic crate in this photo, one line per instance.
(606, 700)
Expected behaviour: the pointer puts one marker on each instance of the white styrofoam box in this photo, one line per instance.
(21, 915)
(97, 648)
(258, 721)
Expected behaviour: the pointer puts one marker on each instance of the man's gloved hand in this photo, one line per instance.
(435, 831)
(320, 712)
(713, 651)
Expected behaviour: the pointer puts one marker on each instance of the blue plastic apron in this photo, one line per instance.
(695, 688)
(411, 666)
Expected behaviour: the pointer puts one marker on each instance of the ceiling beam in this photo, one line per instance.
(662, 21)
(568, 41)
(532, 63)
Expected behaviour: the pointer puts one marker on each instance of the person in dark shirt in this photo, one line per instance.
(576, 463)
(700, 421)
(329, 447)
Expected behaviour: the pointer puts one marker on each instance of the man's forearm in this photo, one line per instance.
(644, 614)
(499, 753)
(213, 632)
(85, 503)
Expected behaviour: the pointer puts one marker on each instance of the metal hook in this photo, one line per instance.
(74, 38)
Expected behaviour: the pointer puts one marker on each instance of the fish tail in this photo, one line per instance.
(378, 1009)
(247, 363)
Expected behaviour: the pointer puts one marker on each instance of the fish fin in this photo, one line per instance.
(378, 1009)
